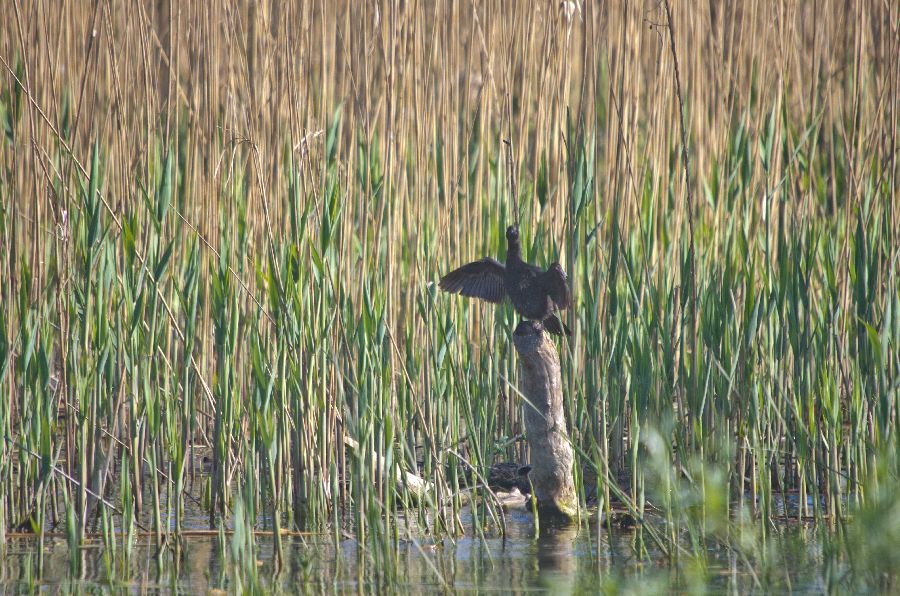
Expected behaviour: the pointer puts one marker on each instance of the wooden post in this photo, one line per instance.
(545, 422)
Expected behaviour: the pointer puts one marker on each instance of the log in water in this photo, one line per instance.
(545, 423)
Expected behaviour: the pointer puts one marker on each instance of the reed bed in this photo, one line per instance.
(222, 224)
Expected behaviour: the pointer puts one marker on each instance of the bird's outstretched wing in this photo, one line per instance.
(554, 282)
(555, 326)
(480, 279)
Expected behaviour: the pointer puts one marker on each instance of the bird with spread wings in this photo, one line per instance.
(535, 294)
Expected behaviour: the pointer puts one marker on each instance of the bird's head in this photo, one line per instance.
(512, 233)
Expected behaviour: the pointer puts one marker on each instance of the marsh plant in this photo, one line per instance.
(222, 224)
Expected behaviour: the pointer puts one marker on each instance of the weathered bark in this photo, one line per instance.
(545, 423)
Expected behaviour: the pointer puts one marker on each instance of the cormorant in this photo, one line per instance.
(534, 293)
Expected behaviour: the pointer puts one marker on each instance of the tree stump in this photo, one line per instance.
(545, 422)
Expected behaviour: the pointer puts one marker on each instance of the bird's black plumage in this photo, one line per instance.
(534, 293)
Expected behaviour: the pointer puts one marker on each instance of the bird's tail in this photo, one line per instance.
(553, 325)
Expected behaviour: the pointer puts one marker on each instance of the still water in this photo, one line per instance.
(561, 560)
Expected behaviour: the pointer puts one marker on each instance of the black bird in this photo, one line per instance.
(534, 293)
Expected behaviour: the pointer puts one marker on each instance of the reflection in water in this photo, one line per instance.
(555, 554)
(563, 559)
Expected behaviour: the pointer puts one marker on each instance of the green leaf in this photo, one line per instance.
(331, 139)
(874, 342)
(93, 196)
(162, 262)
(317, 260)
(164, 195)
(542, 186)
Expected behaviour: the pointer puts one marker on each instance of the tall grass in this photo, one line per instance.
(221, 225)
